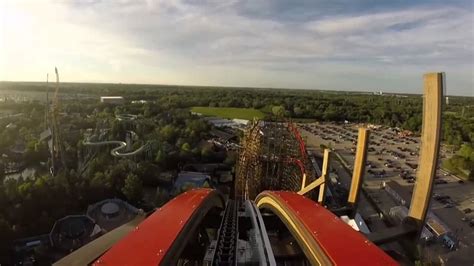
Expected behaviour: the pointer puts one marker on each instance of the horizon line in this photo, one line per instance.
(234, 87)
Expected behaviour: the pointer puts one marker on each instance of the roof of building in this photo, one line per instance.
(205, 167)
(195, 179)
(112, 213)
(111, 97)
(222, 134)
(400, 212)
(405, 192)
(110, 208)
(73, 231)
(223, 122)
(97, 247)
(240, 121)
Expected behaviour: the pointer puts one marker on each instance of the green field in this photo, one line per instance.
(229, 112)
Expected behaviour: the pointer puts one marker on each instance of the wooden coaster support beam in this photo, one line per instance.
(359, 167)
(429, 150)
(325, 175)
(320, 181)
(409, 231)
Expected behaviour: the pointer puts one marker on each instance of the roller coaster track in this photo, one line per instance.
(116, 151)
(226, 248)
(162, 237)
(324, 238)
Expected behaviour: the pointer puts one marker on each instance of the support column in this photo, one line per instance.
(319, 182)
(359, 167)
(325, 176)
(430, 140)
(408, 232)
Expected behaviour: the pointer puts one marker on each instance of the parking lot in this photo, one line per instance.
(390, 155)
(393, 156)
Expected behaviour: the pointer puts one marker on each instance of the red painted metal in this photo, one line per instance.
(298, 137)
(149, 242)
(299, 163)
(342, 244)
(304, 156)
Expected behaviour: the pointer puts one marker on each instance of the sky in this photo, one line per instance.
(355, 45)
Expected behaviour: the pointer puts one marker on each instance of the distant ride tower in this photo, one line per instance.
(58, 160)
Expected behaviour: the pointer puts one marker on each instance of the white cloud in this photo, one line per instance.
(375, 22)
(154, 41)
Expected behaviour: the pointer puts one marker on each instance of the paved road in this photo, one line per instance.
(367, 211)
(461, 194)
(365, 208)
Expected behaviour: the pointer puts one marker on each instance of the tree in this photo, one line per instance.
(161, 197)
(467, 152)
(413, 123)
(168, 133)
(278, 110)
(2, 173)
(231, 158)
(186, 147)
(298, 111)
(7, 236)
(35, 152)
(395, 120)
(148, 173)
(160, 157)
(133, 188)
(99, 180)
(147, 110)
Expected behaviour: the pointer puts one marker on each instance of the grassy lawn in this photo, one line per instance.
(229, 112)
(461, 173)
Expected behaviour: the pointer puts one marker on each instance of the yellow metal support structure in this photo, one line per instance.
(325, 175)
(303, 182)
(314, 253)
(320, 182)
(359, 166)
(430, 139)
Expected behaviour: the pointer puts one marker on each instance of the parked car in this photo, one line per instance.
(441, 197)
